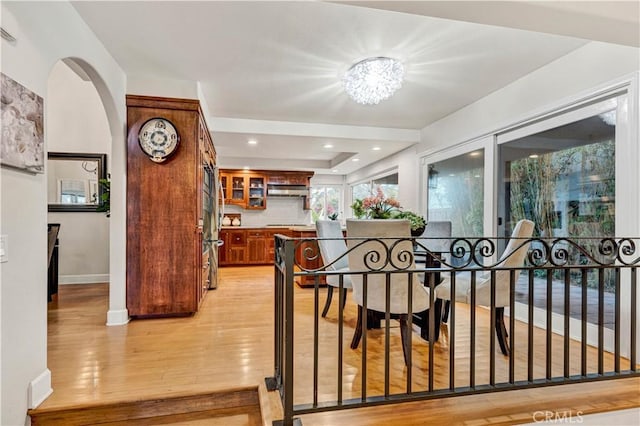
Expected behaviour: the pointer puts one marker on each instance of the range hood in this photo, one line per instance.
(280, 190)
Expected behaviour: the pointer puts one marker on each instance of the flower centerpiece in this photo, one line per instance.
(376, 206)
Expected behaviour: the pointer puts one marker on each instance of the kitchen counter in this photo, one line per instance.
(298, 228)
(231, 227)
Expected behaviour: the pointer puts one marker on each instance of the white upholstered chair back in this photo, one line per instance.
(436, 236)
(381, 246)
(333, 250)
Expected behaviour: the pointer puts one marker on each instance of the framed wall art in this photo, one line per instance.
(22, 144)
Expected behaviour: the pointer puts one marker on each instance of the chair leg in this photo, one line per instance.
(501, 331)
(357, 334)
(405, 335)
(328, 302)
(374, 319)
(445, 311)
(344, 297)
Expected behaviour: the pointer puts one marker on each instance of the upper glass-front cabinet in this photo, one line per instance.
(238, 188)
(257, 193)
(247, 190)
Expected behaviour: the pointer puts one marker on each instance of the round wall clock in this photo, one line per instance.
(158, 138)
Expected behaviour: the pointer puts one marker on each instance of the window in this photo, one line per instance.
(563, 179)
(388, 184)
(456, 193)
(562, 176)
(325, 202)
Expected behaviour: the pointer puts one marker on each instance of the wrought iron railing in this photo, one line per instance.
(315, 370)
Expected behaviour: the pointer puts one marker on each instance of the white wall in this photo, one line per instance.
(283, 210)
(169, 88)
(77, 122)
(585, 68)
(581, 70)
(45, 32)
(406, 163)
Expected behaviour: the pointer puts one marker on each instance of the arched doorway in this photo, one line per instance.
(82, 116)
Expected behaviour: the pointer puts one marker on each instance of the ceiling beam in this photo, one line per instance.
(262, 127)
(615, 22)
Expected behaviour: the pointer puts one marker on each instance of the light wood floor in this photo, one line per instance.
(229, 344)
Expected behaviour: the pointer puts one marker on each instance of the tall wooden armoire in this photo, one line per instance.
(168, 266)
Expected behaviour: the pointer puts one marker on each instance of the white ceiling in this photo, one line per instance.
(270, 71)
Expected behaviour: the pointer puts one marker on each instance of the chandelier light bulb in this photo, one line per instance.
(372, 80)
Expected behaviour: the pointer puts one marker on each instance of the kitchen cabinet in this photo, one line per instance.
(248, 189)
(244, 189)
(238, 190)
(170, 214)
(289, 178)
(249, 246)
(257, 247)
(313, 262)
(237, 247)
(257, 199)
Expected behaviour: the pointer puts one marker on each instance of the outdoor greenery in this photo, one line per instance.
(325, 202)
(568, 193)
(459, 199)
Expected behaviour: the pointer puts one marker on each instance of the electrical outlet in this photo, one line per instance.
(4, 248)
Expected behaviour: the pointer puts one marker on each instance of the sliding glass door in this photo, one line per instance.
(562, 178)
(456, 193)
(563, 173)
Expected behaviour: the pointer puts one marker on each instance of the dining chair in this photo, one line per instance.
(437, 239)
(436, 236)
(332, 249)
(384, 245)
(513, 257)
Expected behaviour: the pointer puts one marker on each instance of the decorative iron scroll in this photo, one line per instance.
(383, 253)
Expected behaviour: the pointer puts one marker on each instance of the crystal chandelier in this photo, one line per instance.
(372, 80)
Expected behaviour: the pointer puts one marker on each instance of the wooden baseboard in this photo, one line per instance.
(134, 410)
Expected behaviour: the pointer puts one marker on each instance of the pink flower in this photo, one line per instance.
(379, 207)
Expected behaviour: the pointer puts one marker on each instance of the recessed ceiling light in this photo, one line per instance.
(376, 148)
(534, 156)
(328, 145)
(355, 159)
(252, 142)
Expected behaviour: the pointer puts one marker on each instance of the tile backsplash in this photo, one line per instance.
(280, 210)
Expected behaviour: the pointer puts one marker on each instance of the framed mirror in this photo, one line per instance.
(73, 181)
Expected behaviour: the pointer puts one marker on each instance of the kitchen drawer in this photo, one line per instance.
(256, 234)
(237, 238)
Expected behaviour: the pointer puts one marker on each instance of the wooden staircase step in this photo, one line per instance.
(167, 410)
(241, 416)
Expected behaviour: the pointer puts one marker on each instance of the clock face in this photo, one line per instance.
(158, 138)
